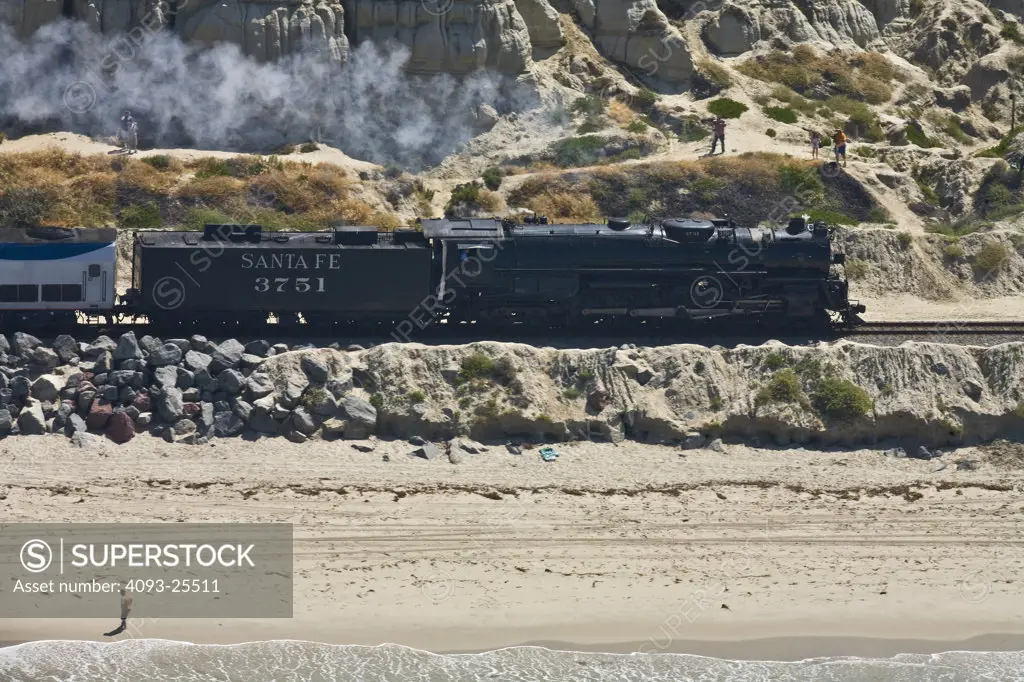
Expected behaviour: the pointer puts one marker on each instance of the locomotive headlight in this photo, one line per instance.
(839, 258)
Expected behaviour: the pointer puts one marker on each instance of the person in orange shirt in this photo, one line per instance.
(839, 138)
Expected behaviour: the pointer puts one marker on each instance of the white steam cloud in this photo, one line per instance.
(67, 77)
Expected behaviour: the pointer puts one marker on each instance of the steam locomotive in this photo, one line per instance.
(490, 273)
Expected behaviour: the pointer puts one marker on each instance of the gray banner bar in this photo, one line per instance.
(170, 570)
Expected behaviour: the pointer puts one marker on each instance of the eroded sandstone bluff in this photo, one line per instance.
(192, 390)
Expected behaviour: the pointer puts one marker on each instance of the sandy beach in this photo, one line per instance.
(778, 554)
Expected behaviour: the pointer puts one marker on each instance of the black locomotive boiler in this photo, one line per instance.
(492, 273)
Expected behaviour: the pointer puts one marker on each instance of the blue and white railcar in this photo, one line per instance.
(50, 272)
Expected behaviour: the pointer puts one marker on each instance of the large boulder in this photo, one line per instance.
(167, 354)
(446, 36)
(127, 348)
(99, 414)
(171, 405)
(66, 348)
(226, 356)
(542, 22)
(361, 417)
(638, 34)
(31, 420)
(47, 387)
(120, 428)
(267, 31)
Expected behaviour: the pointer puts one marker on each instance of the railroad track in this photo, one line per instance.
(939, 328)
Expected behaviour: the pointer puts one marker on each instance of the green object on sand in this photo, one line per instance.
(548, 454)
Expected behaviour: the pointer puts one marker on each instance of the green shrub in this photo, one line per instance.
(644, 100)
(471, 197)
(590, 125)
(309, 147)
(727, 108)
(771, 133)
(856, 269)
(197, 218)
(25, 207)
(572, 393)
(959, 228)
(313, 396)
(841, 399)
(492, 178)
(589, 105)
(415, 397)
(477, 366)
(144, 217)
(637, 126)
(210, 167)
(780, 114)
(804, 182)
(953, 251)
(878, 214)
(377, 400)
(1011, 31)
(578, 151)
(795, 101)
(160, 161)
(905, 239)
(1001, 149)
(829, 216)
(917, 136)
(716, 74)
(991, 256)
(775, 361)
(692, 130)
(783, 387)
(865, 151)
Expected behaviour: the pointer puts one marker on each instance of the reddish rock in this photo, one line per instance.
(120, 428)
(99, 415)
(192, 409)
(143, 403)
(86, 386)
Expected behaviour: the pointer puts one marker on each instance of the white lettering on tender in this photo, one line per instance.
(290, 260)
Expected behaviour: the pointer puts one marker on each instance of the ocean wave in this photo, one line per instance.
(157, 660)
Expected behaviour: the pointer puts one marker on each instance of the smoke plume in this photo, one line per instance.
(67, 77)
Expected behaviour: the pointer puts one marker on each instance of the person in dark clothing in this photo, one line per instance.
(718, 126)
(129, 132)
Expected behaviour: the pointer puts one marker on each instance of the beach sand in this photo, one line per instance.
(750, 554)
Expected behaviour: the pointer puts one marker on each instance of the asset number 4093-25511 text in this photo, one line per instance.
(283, 285)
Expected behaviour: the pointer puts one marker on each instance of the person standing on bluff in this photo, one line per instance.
(129, 132)
(839, 138)
(718, 126)
(815, 144)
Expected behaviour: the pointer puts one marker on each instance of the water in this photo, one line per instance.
(285, 661)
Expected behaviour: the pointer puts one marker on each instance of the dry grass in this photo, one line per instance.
(865, 77)
(750, 187)
(548, 196)
(214, 189)
(620, 113)
(91, 191)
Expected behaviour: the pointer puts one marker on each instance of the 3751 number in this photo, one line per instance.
(280, 285)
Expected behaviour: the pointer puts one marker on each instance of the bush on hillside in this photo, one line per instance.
(25, 207)
(727, 108)
(780, 114)
(841, 399)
